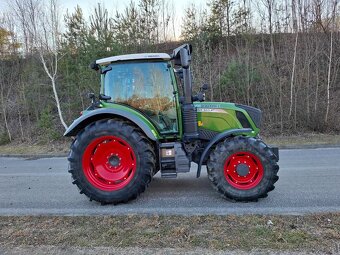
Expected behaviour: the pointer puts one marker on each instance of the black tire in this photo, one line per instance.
(224, 150)
(144, 158)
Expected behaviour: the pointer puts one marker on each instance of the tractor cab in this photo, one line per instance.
(146, 83)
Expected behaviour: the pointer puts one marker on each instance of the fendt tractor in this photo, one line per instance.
(146, 120)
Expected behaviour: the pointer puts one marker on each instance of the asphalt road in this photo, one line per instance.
(309, 182)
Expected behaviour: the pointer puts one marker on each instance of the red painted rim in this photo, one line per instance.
(109, 163)
(248, 161)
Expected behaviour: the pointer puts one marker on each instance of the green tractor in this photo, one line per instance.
(146, 120)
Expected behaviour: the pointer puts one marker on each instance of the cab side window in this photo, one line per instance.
(147, 87)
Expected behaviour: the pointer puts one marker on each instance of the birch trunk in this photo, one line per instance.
(53, 83)
(329, 77)
(292, 78)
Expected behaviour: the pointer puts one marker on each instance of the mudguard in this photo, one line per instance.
(103, 113)
(215, 140)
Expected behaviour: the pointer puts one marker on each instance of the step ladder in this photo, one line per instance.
(173, 160)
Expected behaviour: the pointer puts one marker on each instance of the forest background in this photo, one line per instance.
(282, 56)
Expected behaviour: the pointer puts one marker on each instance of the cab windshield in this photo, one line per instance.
(146, 86)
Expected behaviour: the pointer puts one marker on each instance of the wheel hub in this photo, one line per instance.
(114, 161)
(242, 169)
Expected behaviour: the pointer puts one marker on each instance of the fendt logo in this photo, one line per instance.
(211, 110)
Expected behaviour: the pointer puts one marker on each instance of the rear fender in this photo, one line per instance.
(104, 113)
(215, 140)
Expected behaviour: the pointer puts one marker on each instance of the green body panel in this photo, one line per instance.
(212, 116)
(220, 117)
(136, 113)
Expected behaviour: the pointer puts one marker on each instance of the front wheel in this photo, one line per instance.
(111, 161)
(242, 169)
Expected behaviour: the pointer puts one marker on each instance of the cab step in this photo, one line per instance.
(173, 160)
(169, 173)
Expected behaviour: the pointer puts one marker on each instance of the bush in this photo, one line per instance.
(46, 126)
(4, 138)
(235, 77)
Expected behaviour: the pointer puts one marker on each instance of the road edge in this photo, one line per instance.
(281, 147)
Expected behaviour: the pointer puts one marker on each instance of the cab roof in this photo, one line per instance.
(140, 56)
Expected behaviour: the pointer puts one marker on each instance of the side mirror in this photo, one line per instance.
(104, 97)
(94, 66)
(92, 96)
(177, 55)
(184, 54)
(204, 87)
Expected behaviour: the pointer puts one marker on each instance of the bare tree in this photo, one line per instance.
(295, 24)
(330, 59)
(42, 24)
(270, 5)
(293, 75)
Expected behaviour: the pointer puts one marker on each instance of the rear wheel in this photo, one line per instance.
(242, 169)
(111, 161)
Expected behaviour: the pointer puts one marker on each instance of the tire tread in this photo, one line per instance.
(215, 171)
(144, 149)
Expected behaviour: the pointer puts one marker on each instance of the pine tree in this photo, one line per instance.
(190, 25)
(149, 11)
(126, 26)
(76, 29)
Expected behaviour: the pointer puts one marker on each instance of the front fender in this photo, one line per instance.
(103, 113)
(215, 140)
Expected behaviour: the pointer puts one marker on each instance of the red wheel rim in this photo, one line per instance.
(243, 170)
(109, 163)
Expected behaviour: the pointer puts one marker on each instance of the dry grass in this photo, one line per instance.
(62, 147)
(53, 148)
(309, 233)
(303, 140)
